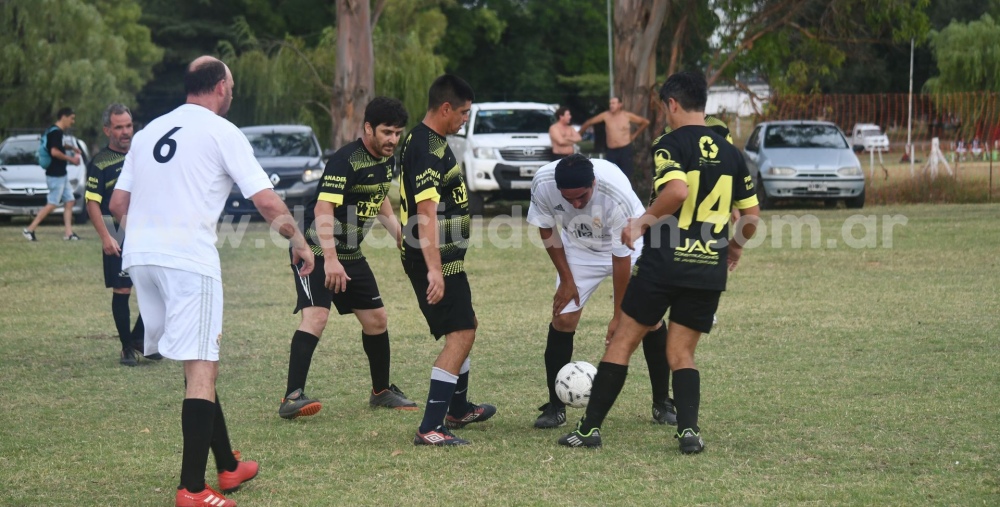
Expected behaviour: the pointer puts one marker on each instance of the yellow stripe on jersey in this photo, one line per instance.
(93, 196)
(749, 202)
(670, 175)
(430, 193)
(337, 199)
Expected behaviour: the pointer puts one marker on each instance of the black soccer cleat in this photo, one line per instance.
(476, 413)
(591, 439)
(439, 437)
(128, 357)
(552, 416)
(689, 441)
(665, 413)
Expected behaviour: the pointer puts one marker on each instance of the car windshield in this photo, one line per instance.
(20, 152)
(870, 132)
(511, 121)
(282, 144)
(804, 136)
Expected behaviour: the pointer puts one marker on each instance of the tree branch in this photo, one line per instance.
(379, 7)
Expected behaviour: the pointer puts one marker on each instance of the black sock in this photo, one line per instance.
(222, 449)
(608, 384)
(120, 312)
(687, 397)
(299, 359)
(558, 352)
(197, 418)
(139, 331)
(377, 348)
(654, 347)
(459, 405)
(440, 393)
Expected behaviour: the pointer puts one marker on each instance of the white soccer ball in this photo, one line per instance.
(573, 383)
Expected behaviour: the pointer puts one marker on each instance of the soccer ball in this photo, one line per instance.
(573, 383)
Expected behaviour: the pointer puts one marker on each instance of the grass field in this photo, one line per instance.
(836, 376)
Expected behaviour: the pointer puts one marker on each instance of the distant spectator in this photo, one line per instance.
(618, 130)
(56, 178)
(564, 137)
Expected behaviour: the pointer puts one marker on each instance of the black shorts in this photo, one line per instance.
(114, 277)
(621, 157)
(361, 294)
(647, 302)
(454, 312)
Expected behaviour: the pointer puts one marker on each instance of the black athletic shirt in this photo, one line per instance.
(691, 248)
(429, 170)
(54, 139)
(102, 174)
(356, 182)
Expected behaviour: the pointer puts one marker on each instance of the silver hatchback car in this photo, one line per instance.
(23, 190)
(804, 160)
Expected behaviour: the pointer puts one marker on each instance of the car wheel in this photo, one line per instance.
(856, 202)
(477, 202)
(5, 219)
(763, 201)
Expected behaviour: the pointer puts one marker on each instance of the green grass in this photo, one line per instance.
(837, 376)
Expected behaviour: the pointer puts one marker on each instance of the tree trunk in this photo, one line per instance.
(354, 83)
(637, 25)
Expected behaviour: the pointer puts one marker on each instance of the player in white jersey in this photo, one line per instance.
(590, 202)
(169, 196)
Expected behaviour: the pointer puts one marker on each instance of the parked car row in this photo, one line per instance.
(22, 181)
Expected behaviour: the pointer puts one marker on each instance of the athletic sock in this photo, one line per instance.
(222, 449)
(441, 391)
(120, 312)
(377, 348)
(197, 418)
(558, 352)
(459, 405)
(687, 397)
(299, 359)
(654, 347)
(608, 384)
(139, 331)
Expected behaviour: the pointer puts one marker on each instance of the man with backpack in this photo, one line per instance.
(53, 158)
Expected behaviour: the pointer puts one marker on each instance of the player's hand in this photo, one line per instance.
(336, 276)
(612, 326)
(632, 231)
(75, 160)
(735, 252)
(111, 246)
(303, 259)
(565, 293)
(435, 287)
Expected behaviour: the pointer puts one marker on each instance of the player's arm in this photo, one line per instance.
(273, 209)
(120, 200)
(427, 227)
(574, 135)
(335, 275)
(749, 210)
(640, 121)
(590, 122)
(567, 290)
(387, 217)
(93, 198)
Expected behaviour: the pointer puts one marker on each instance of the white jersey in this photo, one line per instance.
(179, 171)
(589, 234)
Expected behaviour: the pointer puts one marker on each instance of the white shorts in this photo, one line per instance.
(588, 278)
(181, 310)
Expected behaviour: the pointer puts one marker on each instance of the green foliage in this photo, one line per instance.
(968, 57)
(83, 54)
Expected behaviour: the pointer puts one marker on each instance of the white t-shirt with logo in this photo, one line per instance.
(179, 171)
(591, 233)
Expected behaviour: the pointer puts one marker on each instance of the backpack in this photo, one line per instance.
(44, 153)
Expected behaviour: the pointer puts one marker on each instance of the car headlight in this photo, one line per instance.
(850, 171)
(781, 171)
(3, 188)
(484, 153)
(311, 175)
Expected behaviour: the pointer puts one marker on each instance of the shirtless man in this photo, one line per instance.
(564, 137)
(618, 129)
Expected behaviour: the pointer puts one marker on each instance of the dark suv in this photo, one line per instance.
(292, 158)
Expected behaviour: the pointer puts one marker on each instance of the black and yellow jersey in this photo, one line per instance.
(356, 182)
(690, 249)
(429, 170)
(102, 174)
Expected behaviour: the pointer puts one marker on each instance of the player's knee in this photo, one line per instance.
(122, 290)
(566, 322)
(314, 320)
(375, 323)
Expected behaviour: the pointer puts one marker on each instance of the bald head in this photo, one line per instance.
(209, 83)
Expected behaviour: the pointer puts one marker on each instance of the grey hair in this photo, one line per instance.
(115, 108)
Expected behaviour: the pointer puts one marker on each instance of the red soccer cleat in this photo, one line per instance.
(245, 470)
(206, 497)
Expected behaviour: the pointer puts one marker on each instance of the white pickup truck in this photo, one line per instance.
(868, 136)
(501, 147)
